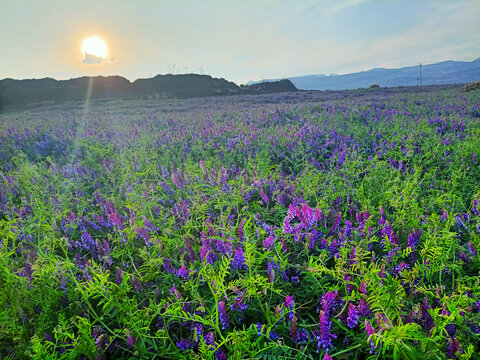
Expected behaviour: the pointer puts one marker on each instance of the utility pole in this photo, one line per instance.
(420, 77)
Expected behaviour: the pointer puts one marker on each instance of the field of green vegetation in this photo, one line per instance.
(304, 226)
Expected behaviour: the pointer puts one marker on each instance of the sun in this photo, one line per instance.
(93, 45)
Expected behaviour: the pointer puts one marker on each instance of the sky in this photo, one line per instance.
(236, 40)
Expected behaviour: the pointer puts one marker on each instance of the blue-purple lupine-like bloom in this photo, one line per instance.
(336, 223)
(210, 339)
(352, 319)
(268, 242)
(143, 233)
(239, 303)
(220, 355)
(425, 316)
(116, 219)
(293, 329)
(224, 247)
(476, 208)
(264, 196)
(472, 250)
(325, 338)
(223, 176)
(370, 330)
(271, 267)
(363, 308)
(119, 275)
(363, 287)
(87, 242)
(331, 302)
(289, 304)
(307, 216)
(412, 242)
(136, 284)
(222, 313)
(239, 262)
(453, 346)
(287, 227)
(400, 267)
(183, 272)
(130, 340)
(183, 344)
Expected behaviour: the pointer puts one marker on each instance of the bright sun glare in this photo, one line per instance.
(93, 45)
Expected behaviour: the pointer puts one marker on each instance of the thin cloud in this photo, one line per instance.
(92, 59)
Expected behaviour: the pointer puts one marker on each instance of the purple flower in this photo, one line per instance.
(174, 291)
(239, 262)
(331, 302)
(143, 234)
(325, 338)
(87, 241)
(451, 329)
(240, 230)
(271, 267)
(335, 225)
(115, 219)
(239, 303)
(289, 304)
(472, 250)
(183, 344)
(269, 242)
(223, 176)
(363, 287)
(425, 316)
(287, 227)
(453, 346)
(370, 330)
(293, 329)
(363, 308)
(220, 355)
(222, 312)
(183, 272)
(307, 216)
(202, 166)
(444, 215)
(327, 357)
(412, 242)
(264, 197)
(352, 319)
(168, 267)
(475, 208)
(130, 340)
(261, 329)
(210, 339)
(119, 275)
(190, 249)
(136, 284)
(224, 247)
(400, 267)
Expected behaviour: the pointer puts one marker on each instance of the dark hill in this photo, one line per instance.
(19, 93)
(269, 87)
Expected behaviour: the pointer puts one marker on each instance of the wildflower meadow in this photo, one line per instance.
(315, 225)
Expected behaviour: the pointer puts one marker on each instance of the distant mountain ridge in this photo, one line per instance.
(19, 93)
(445, 72)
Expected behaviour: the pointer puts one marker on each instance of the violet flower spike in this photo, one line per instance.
(222, 312)
(352, 318)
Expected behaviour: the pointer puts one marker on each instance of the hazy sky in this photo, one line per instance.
(237, 40)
